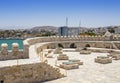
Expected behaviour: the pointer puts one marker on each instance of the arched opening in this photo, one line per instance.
(72, 45)
(60, 45)
(87, 45)
(107, 47)
(47, 47)
(1, 81)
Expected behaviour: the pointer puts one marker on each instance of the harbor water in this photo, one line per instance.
(10, 41)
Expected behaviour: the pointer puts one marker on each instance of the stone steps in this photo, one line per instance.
(56, 70)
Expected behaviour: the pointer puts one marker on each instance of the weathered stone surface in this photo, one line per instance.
(29, 73)
(69, 66)
(15, 47)
(103, 60)
(62, 57)
(58, 51)
(85, 52)
(4, 49)
(114, 55)
(76, 62)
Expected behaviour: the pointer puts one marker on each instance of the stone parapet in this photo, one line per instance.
(15, 53)
(4, 49)
(32, 41)
(15, 47)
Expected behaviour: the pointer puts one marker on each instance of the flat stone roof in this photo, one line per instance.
(89, 72)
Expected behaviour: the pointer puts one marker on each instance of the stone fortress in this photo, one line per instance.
(41, 71)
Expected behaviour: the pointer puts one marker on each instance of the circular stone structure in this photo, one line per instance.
(99, 44)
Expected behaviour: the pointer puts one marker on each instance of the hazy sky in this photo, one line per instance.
(91, 13)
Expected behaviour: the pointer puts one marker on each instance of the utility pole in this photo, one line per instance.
(66, 21)
(80, 23)
(79, 26)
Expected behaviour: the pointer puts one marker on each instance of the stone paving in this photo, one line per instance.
(89, 72)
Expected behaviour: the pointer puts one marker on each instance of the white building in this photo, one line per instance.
(117, 30)
(73, 31)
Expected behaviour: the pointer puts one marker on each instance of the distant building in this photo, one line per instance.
(73, 31)
(68, 31)
(107, 34)
(63, 31)
(117, 30)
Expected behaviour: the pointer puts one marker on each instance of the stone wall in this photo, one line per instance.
(32, 41)
(93, 40)
(53, 42)
(82, 44)
(29, 73)
(15, 53)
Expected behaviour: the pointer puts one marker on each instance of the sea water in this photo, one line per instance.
(10, 41)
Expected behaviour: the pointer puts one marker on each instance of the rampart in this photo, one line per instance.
(76, 41)
(53, 42)
(72, 38)
(15, 53)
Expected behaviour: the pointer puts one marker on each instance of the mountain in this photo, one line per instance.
(44, 28)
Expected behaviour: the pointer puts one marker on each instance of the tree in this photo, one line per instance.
(111, 30)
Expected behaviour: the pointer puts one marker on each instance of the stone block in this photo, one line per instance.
(85, 52)
(62, 57)
(116, 56)
(103, 60)
(69, 66)
(76, 62)
(58, 51)
(49, 56)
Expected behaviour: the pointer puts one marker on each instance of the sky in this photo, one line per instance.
(30, 13)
